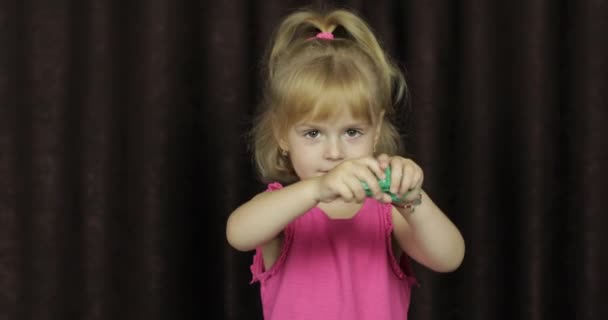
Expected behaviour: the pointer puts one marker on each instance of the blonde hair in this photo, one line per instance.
(308, 77)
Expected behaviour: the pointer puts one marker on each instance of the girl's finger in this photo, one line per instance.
(384, 161)
(417, 186)
(344, 191)
(373, 165)
(413, 195)
(407, 180)
(386, 198)
(365, 175)
(355, 187)
(396, 174)
(417, 179)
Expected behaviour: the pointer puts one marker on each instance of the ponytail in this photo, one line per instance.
(304, 24)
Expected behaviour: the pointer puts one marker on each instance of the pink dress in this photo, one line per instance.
(336, 269)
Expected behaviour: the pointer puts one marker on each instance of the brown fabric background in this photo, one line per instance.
(122, 153)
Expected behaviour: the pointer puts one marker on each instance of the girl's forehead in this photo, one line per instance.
(337, 109)
(337, 116)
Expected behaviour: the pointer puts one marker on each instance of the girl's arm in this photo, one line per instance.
(428, 236)
(262, 218)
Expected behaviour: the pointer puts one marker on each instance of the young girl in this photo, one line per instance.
(325, 249)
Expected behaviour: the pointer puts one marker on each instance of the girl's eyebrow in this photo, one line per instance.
(319, 125)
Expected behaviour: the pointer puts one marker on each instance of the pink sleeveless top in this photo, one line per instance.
(336, 269)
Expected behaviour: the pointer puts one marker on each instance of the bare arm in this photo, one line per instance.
(262, 218)
(428, 236)
(425, 234)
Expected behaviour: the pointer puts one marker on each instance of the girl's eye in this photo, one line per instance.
(312, 133)
(353, 132)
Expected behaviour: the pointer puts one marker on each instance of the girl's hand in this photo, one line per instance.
(344, 181)
(406, 176)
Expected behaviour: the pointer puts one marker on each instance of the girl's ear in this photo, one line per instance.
(278, 137)
(378, 129)
(283, 145)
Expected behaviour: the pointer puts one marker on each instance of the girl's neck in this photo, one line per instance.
(338, 209)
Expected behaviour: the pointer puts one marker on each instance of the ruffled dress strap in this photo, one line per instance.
(402, 268)
(257, 267)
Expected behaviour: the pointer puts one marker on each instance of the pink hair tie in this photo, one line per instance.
(323, 35)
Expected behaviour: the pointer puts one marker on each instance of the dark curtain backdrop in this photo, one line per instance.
(122, 152)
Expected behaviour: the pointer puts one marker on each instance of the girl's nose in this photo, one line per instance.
(333, 150)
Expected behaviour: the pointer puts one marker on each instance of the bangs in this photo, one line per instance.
(324, 90)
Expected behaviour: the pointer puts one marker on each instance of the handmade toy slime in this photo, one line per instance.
(385, 186)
